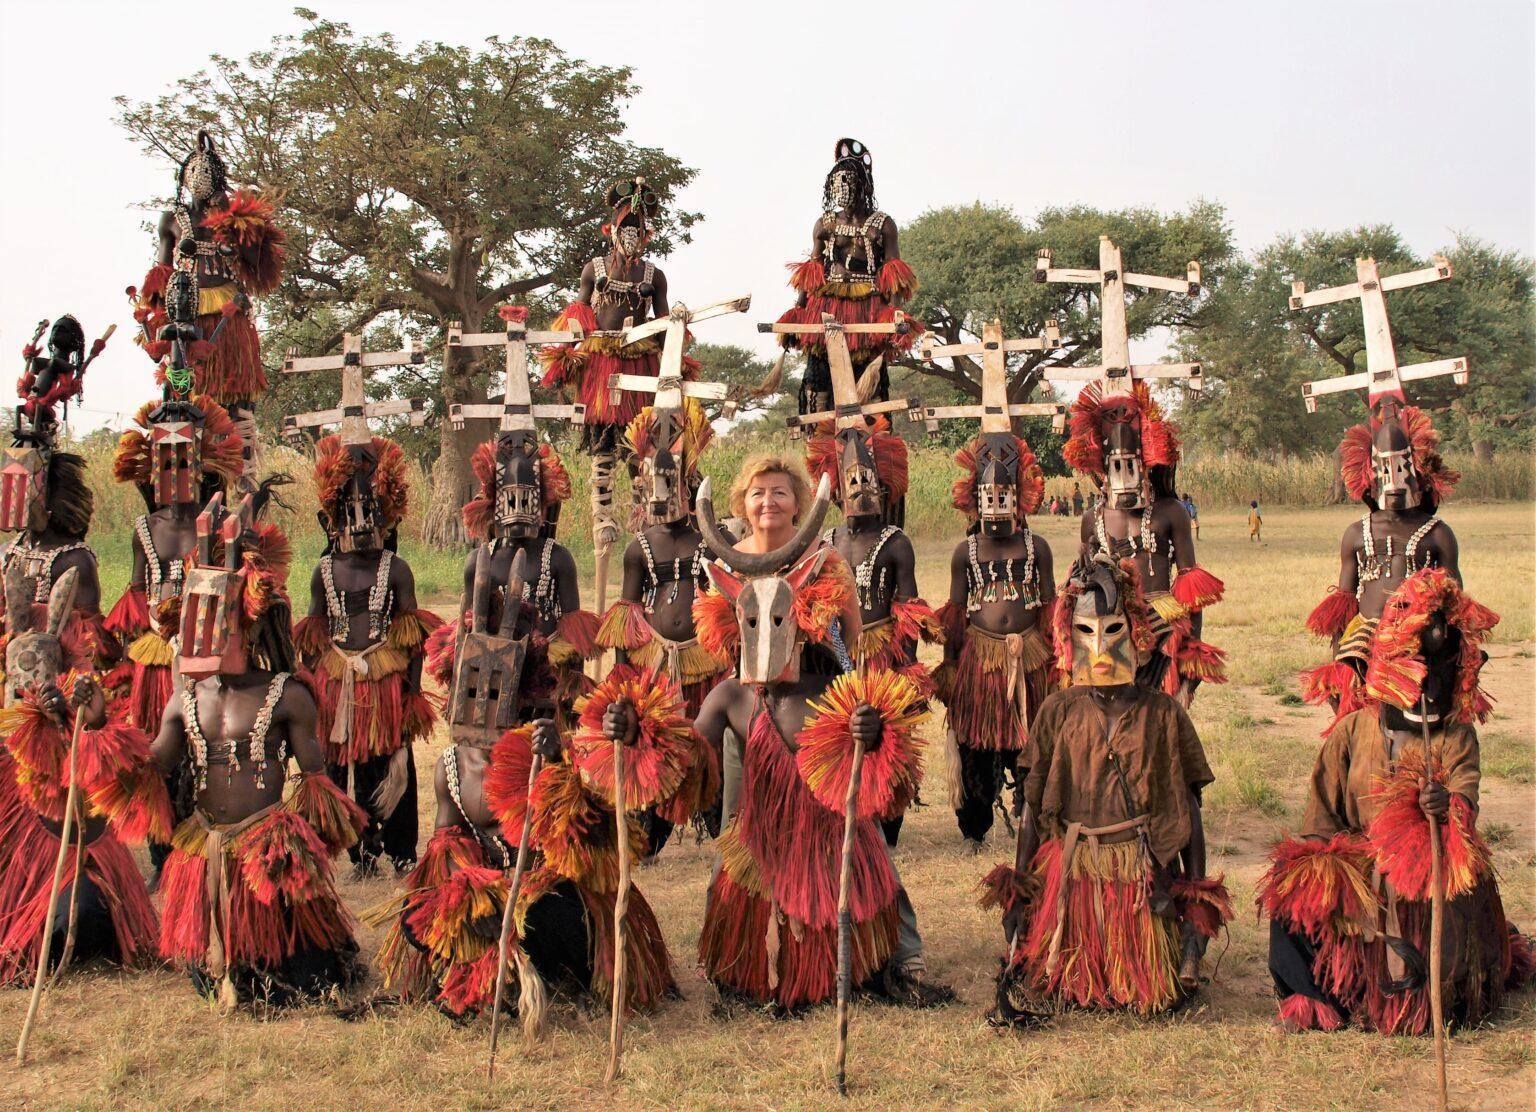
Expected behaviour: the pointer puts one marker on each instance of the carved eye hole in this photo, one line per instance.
(778, 620)
(1114, 627)
(752, 623)
(1085, 630)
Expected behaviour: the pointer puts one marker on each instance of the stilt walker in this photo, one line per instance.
(855, 274)
(618, 291)
(1119, 437)
(217, 250)
(364, 638)
(1392, 464)
(996, 622)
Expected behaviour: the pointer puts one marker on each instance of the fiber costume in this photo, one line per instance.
(855, 273)
(993, 683)
(1114, 897)
(368, 689)
(1349, 897)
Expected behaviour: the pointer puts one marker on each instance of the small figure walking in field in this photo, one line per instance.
(1077, 500)
(1255, 521)
(1194, 512)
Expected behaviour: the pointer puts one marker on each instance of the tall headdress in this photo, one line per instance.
(668, 443)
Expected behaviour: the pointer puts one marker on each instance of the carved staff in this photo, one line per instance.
(508, 912)
(620, 911)
(1436, 921)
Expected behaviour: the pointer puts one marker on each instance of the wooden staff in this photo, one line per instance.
(1436, 921)
(74, 913)
(523, 853)
(620, 910)
(845, 916)
(71, 801)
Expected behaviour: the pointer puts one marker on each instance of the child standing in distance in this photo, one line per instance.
(1255, 521)
(1194, 512)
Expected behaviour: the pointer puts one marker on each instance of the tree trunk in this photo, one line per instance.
(1338, 494)
(1482, 450)
(453, 482)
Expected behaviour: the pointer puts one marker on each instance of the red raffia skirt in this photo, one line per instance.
(770, 927)
(1098, 944)
(281, 897)
(26, 878)
(984, 687)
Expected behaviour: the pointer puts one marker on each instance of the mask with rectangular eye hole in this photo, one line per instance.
(661, 484)
(1395, 481)
(519, 493)
(175, 438)
(859, 491)
(1440, 651)
(1125, 474)
(1103, 652)
(353, 521)
(997, 485)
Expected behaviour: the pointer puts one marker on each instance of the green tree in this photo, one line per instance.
(435, 183)
(977, 262)
(743, 372)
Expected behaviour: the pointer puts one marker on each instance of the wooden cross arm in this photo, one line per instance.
(709, 391)
(901, 325)
(414, 408)
(810, 420)
(514, 333)
(681, 312)
(1048, 340)
(1189, 371)
(1456, 367)
(1024, 409)
(458, 413)
(1189, 284)
(1302, 298)
(296, 364)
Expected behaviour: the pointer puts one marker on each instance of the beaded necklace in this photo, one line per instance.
(653, 580)
(871, 592)
(256, 741)
(158, 575)
(984, 585)
(37, 563)
(380, 600)
(865, 233)
(1369, 567)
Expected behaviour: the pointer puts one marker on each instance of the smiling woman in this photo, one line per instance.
(769, 494)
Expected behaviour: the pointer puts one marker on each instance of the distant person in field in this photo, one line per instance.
(1077, 500)
(1107, 904)
(1194, 512)
(1255, 521)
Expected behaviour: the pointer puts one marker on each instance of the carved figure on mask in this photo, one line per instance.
(1107, 903)
(1348, 897)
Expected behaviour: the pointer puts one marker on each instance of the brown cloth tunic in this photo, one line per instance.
(1356, 755)
(1070, 777)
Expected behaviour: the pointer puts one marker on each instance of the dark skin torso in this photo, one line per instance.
(473, 765)
(1439, 545)
(169, 233)
(885, 243)
(357, 571)
(87, 585)
(854, 541)
(1002, 616)
(173, 529)
(226, 708)
(1175, 540)
(611, 315)
(732, 704)
(674, 540)
(562, 567)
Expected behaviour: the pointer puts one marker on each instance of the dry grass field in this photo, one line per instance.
(108, 1040)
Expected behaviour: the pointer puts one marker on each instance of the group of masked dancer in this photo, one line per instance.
(756, 662)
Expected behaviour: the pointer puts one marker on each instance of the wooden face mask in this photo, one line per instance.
(24, 489)
(1103, 654)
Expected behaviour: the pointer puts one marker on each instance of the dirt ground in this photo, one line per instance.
(113, 1040)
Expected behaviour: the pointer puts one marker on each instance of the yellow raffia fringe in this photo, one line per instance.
(614, 345)
(1168, 608)
(562, 654)
(385, 911)
(1119, 863)
(738, 863)
(1355, 643)
(190, 837)
(406, 633)
(381, 663)
(874, 639)
(152, 651)
(693, 662)
(853, 291)
(212, 299)
(991, 651)
(612, 629)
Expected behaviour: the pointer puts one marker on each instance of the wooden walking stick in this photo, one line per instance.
(620, 910)
(507, 913)
(71, 802)
(74, 913)
(1436, 923)
(845, 916)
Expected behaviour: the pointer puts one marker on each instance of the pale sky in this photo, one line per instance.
(1296, 114)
